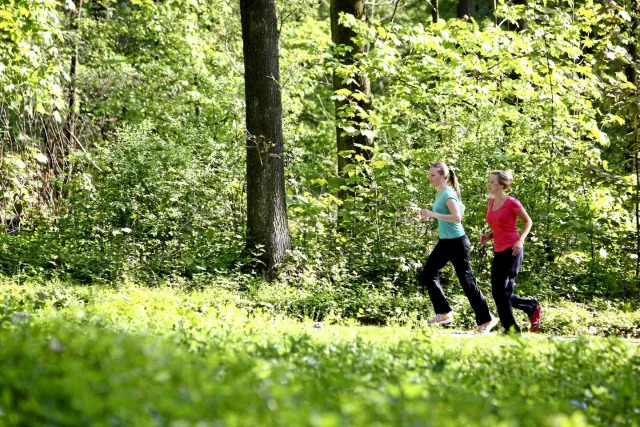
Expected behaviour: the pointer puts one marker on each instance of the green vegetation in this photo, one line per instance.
(132, 292)
(76, 355)
(153, 183)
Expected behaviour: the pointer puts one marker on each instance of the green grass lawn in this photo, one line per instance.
(166, 357)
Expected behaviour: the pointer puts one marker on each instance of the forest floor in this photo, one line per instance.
(141, 356)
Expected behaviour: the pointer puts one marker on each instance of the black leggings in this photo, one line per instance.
(504, 269)
(457, 251)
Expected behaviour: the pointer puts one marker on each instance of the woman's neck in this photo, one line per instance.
(441, 187)
(500, 196)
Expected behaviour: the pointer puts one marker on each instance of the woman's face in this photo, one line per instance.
(434, 177)
(493, 185)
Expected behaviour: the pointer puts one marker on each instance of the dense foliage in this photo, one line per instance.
(123, 167)
(152, 186)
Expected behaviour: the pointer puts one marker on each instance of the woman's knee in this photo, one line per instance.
(427, 275)
(500, 294)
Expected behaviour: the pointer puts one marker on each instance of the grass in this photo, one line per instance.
(169, 357)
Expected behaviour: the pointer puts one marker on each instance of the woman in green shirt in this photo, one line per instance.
(453, 246)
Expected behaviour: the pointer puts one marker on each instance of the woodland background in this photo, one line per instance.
(208, 211)
(124, 145)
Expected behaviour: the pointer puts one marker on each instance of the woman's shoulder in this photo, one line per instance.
(450, 193)
(515, 202)
(512, 199)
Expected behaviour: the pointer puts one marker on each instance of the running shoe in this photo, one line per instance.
(441, 319)
(535, 318)
(485, 328)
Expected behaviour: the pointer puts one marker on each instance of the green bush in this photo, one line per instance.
(153, 207)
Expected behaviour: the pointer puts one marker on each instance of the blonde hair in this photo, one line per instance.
(446, 171)
(504, 178)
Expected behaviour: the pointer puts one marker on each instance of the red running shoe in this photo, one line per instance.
(535, 318)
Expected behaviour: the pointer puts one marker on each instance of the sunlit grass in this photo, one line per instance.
(139, 356)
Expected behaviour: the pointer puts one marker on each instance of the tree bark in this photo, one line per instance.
(435, 10)
(342, 35)
(267, 224)
(465, 9)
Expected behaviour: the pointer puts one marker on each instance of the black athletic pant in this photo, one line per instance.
(504, 270)
(457, 251)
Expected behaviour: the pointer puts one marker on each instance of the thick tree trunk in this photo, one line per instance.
(267, 224)
(342, 35)
(465, 8)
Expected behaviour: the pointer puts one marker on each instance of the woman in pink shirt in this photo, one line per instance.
(502, 214)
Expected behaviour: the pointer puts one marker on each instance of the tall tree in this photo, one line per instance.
(69, 141)
(70, 131)
(631, 72)
(267, 224)
(435, 10)
(465, 8)
(352, 110)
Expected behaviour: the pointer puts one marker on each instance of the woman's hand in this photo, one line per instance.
(517, 247)
(426, 213)
(485, 238)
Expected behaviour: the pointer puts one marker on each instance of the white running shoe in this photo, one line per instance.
(441, 319)
(485, 328)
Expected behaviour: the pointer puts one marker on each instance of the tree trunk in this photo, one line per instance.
(630, 70)
(70, 131)
(435, 10)
(58, 151)
(267, 224)
(342, 35)
(465, 8)
(632, 129)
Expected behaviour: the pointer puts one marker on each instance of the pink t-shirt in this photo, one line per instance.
(503, 223)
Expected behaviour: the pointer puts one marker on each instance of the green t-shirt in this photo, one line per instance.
(448, 230)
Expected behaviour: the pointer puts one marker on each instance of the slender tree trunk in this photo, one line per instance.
(196, 109)
(637, 204)
(435, 10)
(342, 35)
(267, 224)
(465, 8)
(552, 157)
(70, 131)
(495, 10)
(632, 76)
(59, 153)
